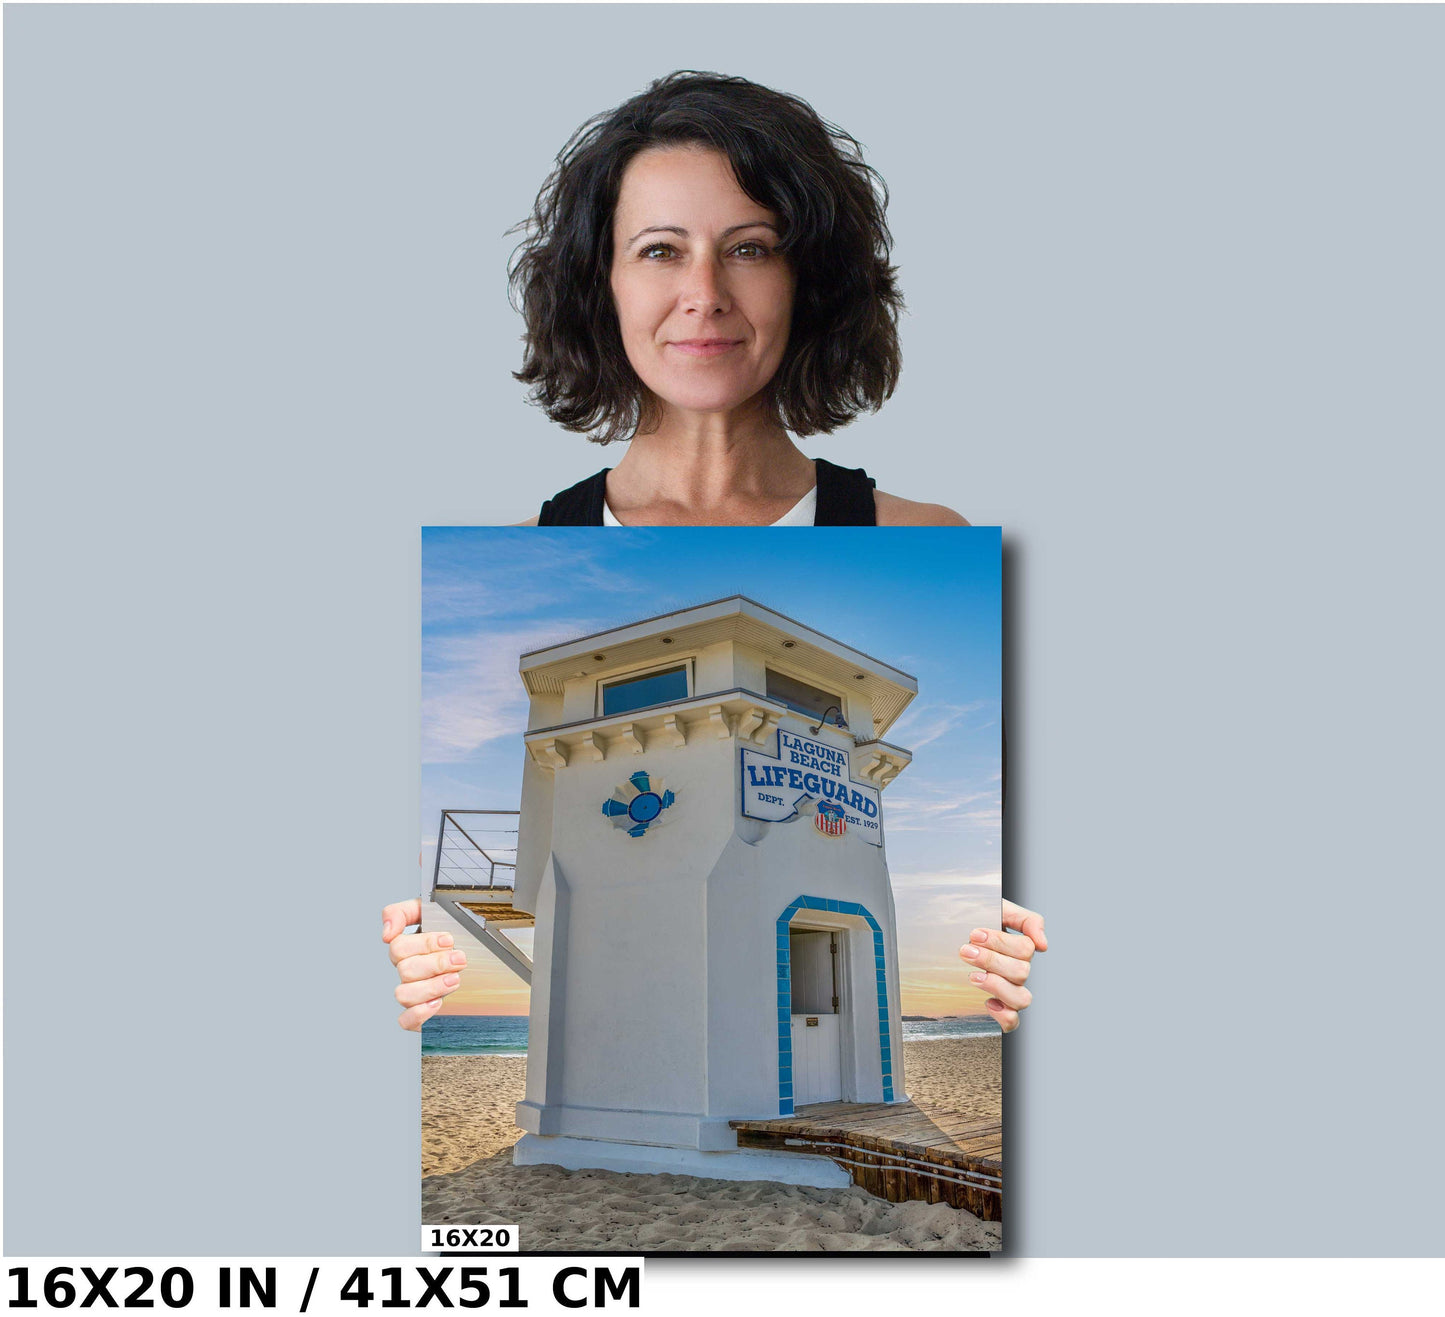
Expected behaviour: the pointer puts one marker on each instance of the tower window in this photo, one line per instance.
(801, 697)
(646, 688)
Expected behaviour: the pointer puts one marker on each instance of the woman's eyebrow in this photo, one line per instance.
(683, 233)
(752, 224)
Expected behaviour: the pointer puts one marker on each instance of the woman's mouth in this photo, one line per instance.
(705, 347)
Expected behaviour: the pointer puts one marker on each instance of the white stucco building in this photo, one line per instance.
(702, 847)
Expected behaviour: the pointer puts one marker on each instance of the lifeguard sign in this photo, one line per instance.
(702, 844)
(804, 772)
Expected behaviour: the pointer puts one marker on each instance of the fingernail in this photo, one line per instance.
(452, 980)
(977, 978)
(434, 1002)
(979, 935)
(994, 1005)
(459, 957)
(445, 940)
(970, 952)
(385, 927)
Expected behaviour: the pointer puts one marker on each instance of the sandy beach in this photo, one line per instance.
(468, 1176)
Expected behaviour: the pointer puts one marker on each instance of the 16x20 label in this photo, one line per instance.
(470, 1239)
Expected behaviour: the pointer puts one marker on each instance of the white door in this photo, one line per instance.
(817, 1069)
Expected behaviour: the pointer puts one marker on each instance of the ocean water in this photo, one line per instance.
(957, 1026)
(474, 1035)
(506, 1035)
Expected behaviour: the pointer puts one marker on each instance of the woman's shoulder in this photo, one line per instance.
(895, 511)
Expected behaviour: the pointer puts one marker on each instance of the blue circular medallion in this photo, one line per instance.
(645, 808)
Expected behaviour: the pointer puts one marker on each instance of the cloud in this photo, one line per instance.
(473, 692)
(934, 905)
(490, 576)
(922, 724)
(949, 879)
(945, 810)
(951, 912)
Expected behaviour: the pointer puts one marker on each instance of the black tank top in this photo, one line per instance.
(845, 498)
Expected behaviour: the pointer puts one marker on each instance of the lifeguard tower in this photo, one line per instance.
(701, 845)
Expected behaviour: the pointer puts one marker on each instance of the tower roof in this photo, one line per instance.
(735, 618)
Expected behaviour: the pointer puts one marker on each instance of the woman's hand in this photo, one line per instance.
(1001, 962)
(427, 963)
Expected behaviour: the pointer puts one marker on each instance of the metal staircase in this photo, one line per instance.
(473, 877)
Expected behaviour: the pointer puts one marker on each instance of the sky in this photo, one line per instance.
(926, 600)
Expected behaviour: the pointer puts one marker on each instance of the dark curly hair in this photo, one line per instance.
(842, 355)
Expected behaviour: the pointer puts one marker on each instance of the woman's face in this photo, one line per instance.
(703, 296)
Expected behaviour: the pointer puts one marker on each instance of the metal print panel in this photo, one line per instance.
(713, 998)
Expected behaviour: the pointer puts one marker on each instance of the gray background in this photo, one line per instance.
(1175, 285)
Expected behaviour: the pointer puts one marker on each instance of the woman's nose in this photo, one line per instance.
(705, 287)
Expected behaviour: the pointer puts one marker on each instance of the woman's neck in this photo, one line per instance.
(709, 470)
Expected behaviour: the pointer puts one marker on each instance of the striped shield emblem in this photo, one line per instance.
(829, 819)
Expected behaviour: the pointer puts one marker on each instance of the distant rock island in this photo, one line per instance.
(915, 1018)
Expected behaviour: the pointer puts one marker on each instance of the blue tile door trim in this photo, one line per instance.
(785, 994)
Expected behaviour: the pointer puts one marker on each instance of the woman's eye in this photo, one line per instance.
(657, 249)
(750, 250)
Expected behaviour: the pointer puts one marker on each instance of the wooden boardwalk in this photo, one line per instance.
(897, 1150)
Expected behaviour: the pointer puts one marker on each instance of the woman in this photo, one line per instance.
(705, 273)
